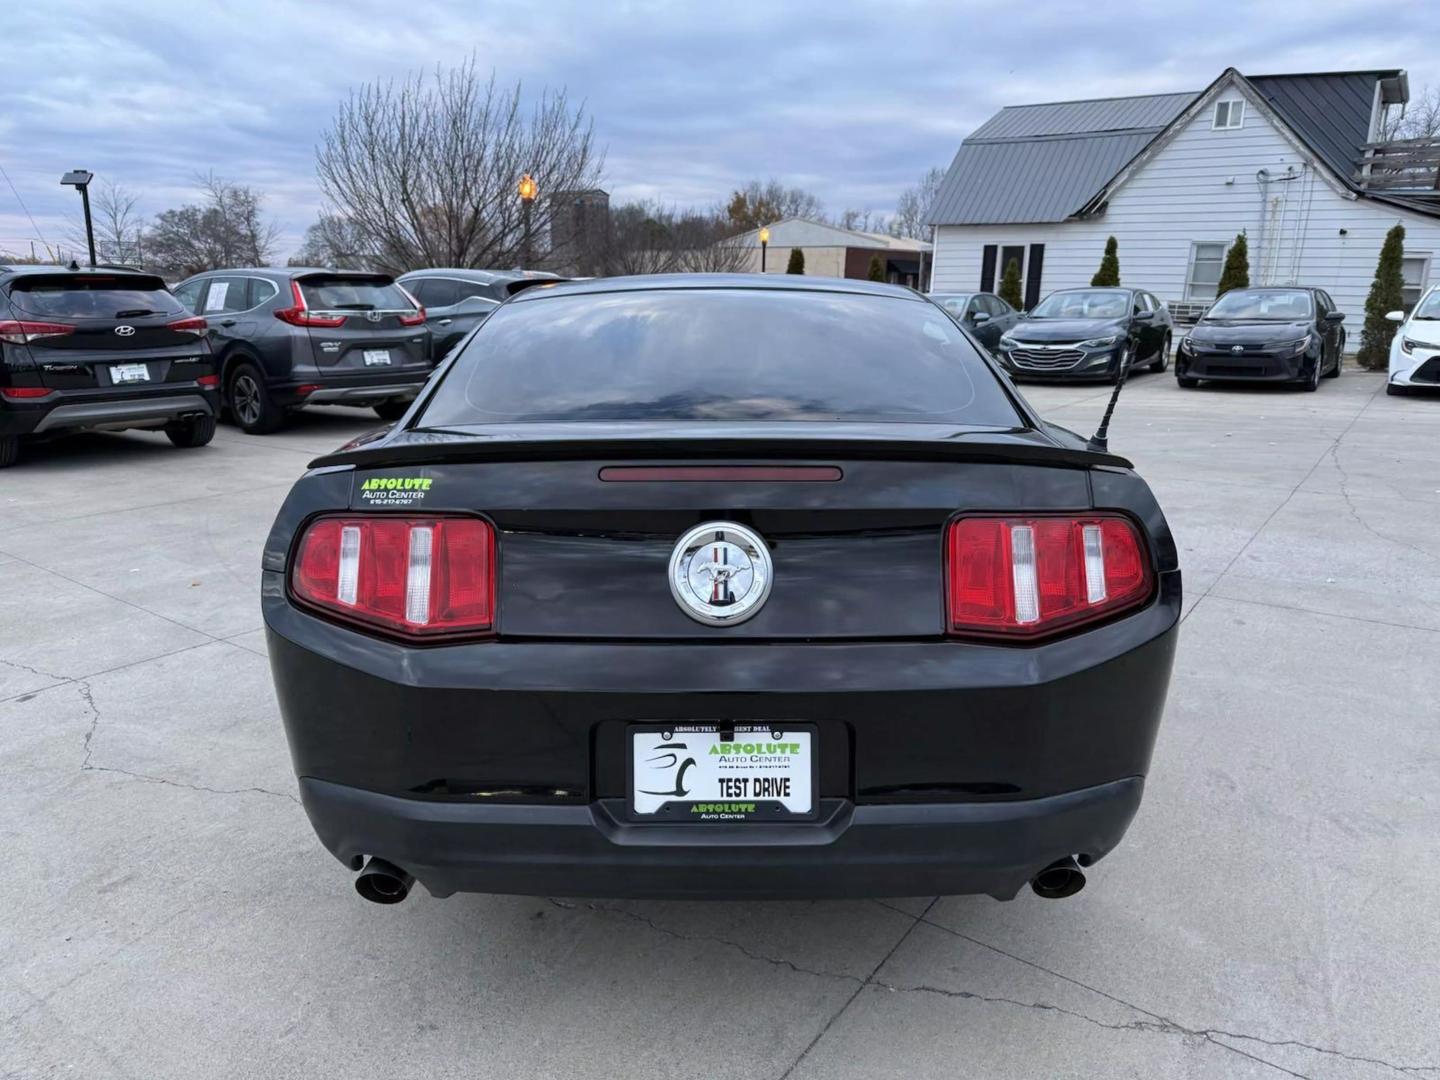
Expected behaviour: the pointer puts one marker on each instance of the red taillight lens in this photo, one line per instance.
(208, 380)
(195, 325)
(1024, 577)
(22, 333)
(22, 393)
(301, 315)
(415, 318)
(417, 576)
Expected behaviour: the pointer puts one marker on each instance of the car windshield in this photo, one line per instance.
(92, 296)
(1084, 304)
(353, 294)
(1274, 305)
(953, 302)
(720, 354)
(1429, 308)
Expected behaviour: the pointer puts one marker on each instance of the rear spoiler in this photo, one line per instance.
(521, 284)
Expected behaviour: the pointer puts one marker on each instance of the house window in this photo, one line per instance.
(1414, 269)
(1228, 114)
(1206, 259)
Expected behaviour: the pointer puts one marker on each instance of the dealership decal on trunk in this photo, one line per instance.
(395, 490)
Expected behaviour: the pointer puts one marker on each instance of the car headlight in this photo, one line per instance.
(1409, 345)
(1008, 342)
(1099, 342)
(1296, 347)
(1187, 346)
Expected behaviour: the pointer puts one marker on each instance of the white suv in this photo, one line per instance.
(1415, 352)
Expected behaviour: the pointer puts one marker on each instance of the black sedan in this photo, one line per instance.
(1289, 335)
(666, 588)
(984, 314)
(1089, 334)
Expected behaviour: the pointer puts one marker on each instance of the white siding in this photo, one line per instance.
(1186, 193)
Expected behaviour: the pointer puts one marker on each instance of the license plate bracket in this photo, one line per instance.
(723, 772)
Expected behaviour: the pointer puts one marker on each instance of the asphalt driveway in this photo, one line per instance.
(165, 910)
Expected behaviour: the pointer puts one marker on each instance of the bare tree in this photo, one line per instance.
(1419, 120)
(758, 204)
(914, 206)
(647, 238)
(335, 241)
(226, 228)
(119, 229)
(863, 221)
(426, 169)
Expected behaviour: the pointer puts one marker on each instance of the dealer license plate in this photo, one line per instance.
(723, 773)
(376, 356)
(128, 373)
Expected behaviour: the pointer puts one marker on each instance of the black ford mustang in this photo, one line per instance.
(720, 587)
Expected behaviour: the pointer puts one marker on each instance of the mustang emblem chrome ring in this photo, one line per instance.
(720, 573)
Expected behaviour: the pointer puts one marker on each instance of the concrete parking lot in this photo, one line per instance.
(165, 910)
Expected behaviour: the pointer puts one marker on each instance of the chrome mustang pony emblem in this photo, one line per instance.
(720, 573)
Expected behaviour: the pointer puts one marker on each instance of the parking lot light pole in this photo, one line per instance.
(764, 243)
(527, 189)
(80, 179)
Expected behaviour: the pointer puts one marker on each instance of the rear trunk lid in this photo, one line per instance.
(89, 331)
(378, 327)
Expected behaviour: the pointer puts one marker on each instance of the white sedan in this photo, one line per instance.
(1415, 352)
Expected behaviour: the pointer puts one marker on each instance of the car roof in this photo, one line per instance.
(29, 269)
(675, 282)
(286, 273)
(1278, 288)
(484, 277)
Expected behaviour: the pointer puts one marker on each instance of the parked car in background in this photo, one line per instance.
(457, 300)
(1415, 351)
(290, 337)
(984, 314)
(1281, 334)
(1093, 333)
(100, 349)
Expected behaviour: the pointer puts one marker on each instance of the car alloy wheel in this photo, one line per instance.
(245, 399)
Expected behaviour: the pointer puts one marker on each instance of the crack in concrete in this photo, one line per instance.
(1354, 510)
(1154, 1023)
(777, 961)
(35, 671)
(88, 695)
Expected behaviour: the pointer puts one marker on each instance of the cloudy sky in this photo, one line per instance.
(851, 100)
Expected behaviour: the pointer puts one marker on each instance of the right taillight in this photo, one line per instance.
(418, 577)
(1030, 576)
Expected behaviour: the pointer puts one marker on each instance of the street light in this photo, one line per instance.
(764, 243)
(80, 179)
(528, 191)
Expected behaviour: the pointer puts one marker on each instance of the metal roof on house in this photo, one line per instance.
(1035, 163)
(805, 232)
(1330, 111)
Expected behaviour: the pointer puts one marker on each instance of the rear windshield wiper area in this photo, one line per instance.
(135, 313)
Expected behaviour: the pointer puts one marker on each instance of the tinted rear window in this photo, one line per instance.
(89, 296)
(353, 294)
(720, 354)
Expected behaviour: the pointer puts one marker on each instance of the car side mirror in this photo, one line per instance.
(1395, 316)
(1339, 316)
(1144, 316)
(980, 317)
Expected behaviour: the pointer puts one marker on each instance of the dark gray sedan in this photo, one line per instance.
(1089, 334)
(984, 314)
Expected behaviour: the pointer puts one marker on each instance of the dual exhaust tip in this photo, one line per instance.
(1060, 879)
(383, 882)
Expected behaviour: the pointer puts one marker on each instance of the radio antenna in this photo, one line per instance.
(1100, 441)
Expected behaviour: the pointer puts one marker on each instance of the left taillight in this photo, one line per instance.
(1026, 577)
(418, 577)
(22, 333)
(194, 325)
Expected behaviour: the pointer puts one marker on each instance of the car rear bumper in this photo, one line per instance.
(353, 389)
(852, 851)
(86, 410)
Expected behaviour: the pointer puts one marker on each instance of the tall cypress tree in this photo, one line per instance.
(1386, 294)
(1236, 273)
(796, 265)
(1010, 285)
(1109, 272)
(877, 271)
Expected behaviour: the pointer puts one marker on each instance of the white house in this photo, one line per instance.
(1175, 177)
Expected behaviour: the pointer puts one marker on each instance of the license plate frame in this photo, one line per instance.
(376, 357)
(126, 374)
(747, 810)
